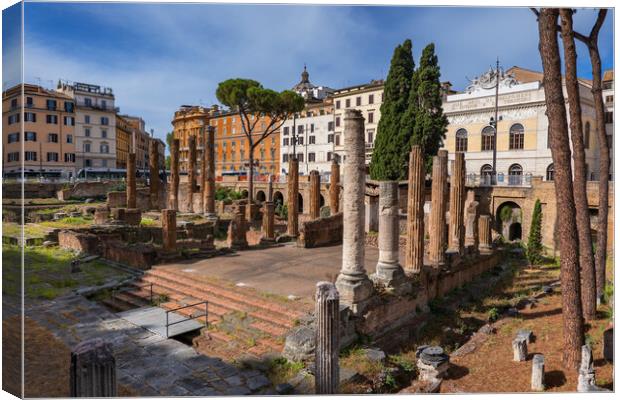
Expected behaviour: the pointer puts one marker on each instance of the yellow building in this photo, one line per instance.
(38, 132)
(123, 140)
(189, 121)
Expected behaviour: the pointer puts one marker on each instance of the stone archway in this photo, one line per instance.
(278, 198)
(244, 193)
(509, 219)
(261, 196)
(300, 203)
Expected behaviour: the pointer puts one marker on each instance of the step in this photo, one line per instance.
(239, 295)
(190, 291)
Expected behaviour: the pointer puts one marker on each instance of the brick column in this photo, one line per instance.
(457, 204)
(414, 252)
(191, 173)
(327, 311)
(209, 176)
(389, 273)
(437, 223)
(154, 172)
(484, 233)
(293, 190)
(93, 370)
(315, 194)
(334, 187)
(131, 181)
(353, 284)
(268, 220)
(169, 229)
(173, 194)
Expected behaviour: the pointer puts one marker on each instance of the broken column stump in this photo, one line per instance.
(169, 229)
(538, 372)
(432, 363)
(327, 375)
(237, 229)
(519, 348)
(93, 370)
(268, 222)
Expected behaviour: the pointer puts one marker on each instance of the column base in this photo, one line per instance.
(355, 291)
(391, 277)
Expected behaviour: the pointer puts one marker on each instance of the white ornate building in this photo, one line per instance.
(608, 99)
(522, 141)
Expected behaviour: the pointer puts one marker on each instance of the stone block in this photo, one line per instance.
(538, 373)
(132, 216)
(519, 349)
(321, 232)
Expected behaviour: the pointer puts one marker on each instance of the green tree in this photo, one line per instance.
(389, 158)
(253, 102)
(425, 104)
(534, 241)
(168, 162)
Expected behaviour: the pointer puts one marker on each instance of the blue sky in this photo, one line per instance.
(157, 57)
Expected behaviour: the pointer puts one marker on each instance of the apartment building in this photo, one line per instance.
(608, 99)
(95, 130)
(123, 141)
(38, 133)
(139, 141)
(189, 121)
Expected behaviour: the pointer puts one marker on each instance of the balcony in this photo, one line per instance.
(524, 180)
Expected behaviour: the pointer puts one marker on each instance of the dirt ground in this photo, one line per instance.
(491, 369)
(47, 361)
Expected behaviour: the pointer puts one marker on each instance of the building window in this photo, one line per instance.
(13, 104)
(487, 138)
(104, 133)
(330, 126)
(14, 156)
(88, 102)
(358, 101)
(285, 142)
(69, 157)
(300, 157)
(30, 136)
(461, 140)
(337, 121)
(371, 135)
(300, 129)
(68, 106)
(609, 99)
(52, 137)
(371, 117)
(347, 103)
(337, 140)
(30, 117)
(337, 104)
(300, 140)
(515, 174)
(105, 120)
(104, 163)
(311, 139)
(51, 119)
(516, 137)
(330, 138)
(285, 133)
(284, 157)
(550, 171)
(88, 162)
(70, 121)
(51, 105)
(311, 157)
(29, 102)
(586, 135)
(31, 156)
(104, 104)
(87, 119)
(329, 156)
(13, 137)
(371, 99)
(609, 117)
(87, 132)
(13, 119)
(311, 128)
(86, 147)
(52, 157)
(486, 172)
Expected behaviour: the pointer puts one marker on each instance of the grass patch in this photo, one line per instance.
(280, 370)
(68, 222)
(148, 222)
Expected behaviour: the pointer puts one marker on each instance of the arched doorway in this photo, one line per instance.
(321, 200)
(260, 196)
(278, 198)
(515, 175)
(244, 193)
(508, 217)
(300, 203)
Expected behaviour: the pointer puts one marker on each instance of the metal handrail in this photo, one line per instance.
(127, 289)
(168, 323)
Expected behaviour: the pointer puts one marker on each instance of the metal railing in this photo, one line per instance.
(116, 291)
(206, 315)
(523, 180)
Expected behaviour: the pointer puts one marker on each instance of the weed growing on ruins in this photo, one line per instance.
(281, 370)
(282, 211)
(68, 222)
(147, 222)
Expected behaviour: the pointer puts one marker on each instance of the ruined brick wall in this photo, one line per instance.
(13, 190)
(141, 256)
(321, 232)
(119, 199)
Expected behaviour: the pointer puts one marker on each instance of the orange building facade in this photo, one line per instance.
(231, 145)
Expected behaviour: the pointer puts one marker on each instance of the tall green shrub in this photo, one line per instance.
(534, 241)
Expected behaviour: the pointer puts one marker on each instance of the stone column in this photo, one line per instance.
(131, 181)
(327, 376)
(293, 190)
(173, 193)
(471, 221)
(209, 176)
(437, 223)
(389, 273)
(237, 229)
(154, 172)
(334, 187)
(484, 233)
(353, 284)
(538, 372)
(191, 173)
(169, 229)
(414, 253)
(519, 348)
(270, 188)
(203, 171)
(315, 194)
(268, 220)
(93, 370)
(457, 204)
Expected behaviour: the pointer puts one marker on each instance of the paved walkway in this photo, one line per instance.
(284, 270)
(146, 362)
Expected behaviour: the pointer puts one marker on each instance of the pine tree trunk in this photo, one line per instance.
(251, 178)
(586, 256)
(572, 317)
(603, 184)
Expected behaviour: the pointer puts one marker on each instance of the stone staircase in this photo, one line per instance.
(242, 322)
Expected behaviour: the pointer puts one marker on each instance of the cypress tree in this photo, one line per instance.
(534, 241)
(425, 104)
(389, 158)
